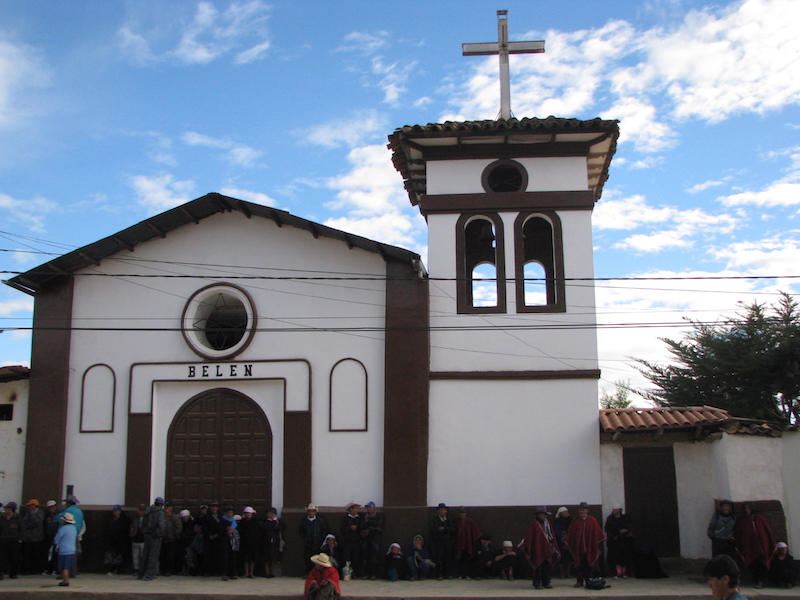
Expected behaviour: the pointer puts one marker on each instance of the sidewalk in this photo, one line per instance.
(127, 587)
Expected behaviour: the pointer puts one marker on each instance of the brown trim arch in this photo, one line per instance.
(554, 273)
(464, 300)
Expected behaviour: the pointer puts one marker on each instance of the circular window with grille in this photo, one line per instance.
(505, 175)
(218, 321)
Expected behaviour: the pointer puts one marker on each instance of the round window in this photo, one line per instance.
(218, 321)
(505, 175)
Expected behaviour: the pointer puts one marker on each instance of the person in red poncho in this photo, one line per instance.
(584, 537)
(322, 582)
(541, 548)
(467, 535)
(755, 542)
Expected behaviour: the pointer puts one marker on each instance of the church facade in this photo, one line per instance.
(228, 351)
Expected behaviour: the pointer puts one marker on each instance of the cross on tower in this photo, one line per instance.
(503, 48)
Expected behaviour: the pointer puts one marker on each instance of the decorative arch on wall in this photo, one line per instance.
(479, 242)
(539, 263)
(348, 396)
(98, 399)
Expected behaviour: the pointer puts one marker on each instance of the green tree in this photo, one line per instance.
(619, 399)
(748, 365)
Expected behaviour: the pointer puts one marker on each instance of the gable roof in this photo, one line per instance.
(191, 212)
(14, 373)
(413, 145)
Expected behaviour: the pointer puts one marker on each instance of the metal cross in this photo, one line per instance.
(503, 48)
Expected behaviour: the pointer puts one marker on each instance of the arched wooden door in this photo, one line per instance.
(220, 448)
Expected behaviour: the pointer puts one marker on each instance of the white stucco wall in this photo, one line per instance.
(790, 446)
(755, 467)
(513, 443)
(529, 349)
(612, 476)
(244, 247)
(697, 480)
(12, 441)
(563, 173)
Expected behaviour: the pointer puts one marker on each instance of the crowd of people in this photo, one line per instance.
(214, 541)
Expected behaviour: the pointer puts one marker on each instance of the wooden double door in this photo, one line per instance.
(220, 448)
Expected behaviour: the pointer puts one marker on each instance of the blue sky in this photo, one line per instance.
(111, 112)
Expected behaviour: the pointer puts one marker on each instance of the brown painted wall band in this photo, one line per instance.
(48, 394)
(139, 459)
(296, 459)
(405, 427)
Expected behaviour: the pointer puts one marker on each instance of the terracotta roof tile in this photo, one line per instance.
(650, 419)
(13, 373)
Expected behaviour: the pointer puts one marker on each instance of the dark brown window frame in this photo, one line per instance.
(559, 287)
(464, 278)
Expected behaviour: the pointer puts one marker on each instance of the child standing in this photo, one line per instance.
(65, 542)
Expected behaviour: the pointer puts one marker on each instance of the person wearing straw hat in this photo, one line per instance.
(313, 529)
(322, 582)
(66, 541)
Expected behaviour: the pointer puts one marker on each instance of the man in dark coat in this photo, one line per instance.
(312, 529)
(443, 532)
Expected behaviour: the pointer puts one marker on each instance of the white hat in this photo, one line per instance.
(249, 509)
(322, 559)
(185, 513)
(311, 507)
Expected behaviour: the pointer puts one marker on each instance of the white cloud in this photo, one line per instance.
(236, 153)
(629, 213)
(641, 125)
(160, 192)
(705, 185)
(774, 256)
(18, 305)
(390, 228)
(211, 33)
(372, 186)
(30, 213)
(366, 43)
(394, 77)
(250, 196)
(21, 69)
(679, 227)
(782, 192)
(359, 128)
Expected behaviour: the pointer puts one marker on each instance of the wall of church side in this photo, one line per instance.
(513, 443)
(697, 485)
(12, 441)
(453, 345)
(544, 174)
(612, 476)
(295, 320)
(790, 446)
(755, 467)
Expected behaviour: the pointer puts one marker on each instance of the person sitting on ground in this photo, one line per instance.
(505, 560)
(66, 540)
(723, 578)
(755, 543)
(484, 558)
(393, 562)
(782, 571)
(584, 537)
(332, 548)
(418, 561)
(322, 582)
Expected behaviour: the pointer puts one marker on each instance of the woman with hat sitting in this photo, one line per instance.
(322, 582)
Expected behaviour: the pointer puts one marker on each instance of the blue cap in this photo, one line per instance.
(370, 504)
(117, 507)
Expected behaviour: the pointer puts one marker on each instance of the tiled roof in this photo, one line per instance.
(613, 420)
(413, 145)
(524, 124)
(13, 373)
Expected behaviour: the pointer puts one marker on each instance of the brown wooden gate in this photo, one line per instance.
(651, 498)
(220, 448)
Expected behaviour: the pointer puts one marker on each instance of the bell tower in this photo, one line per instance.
(513, 346)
